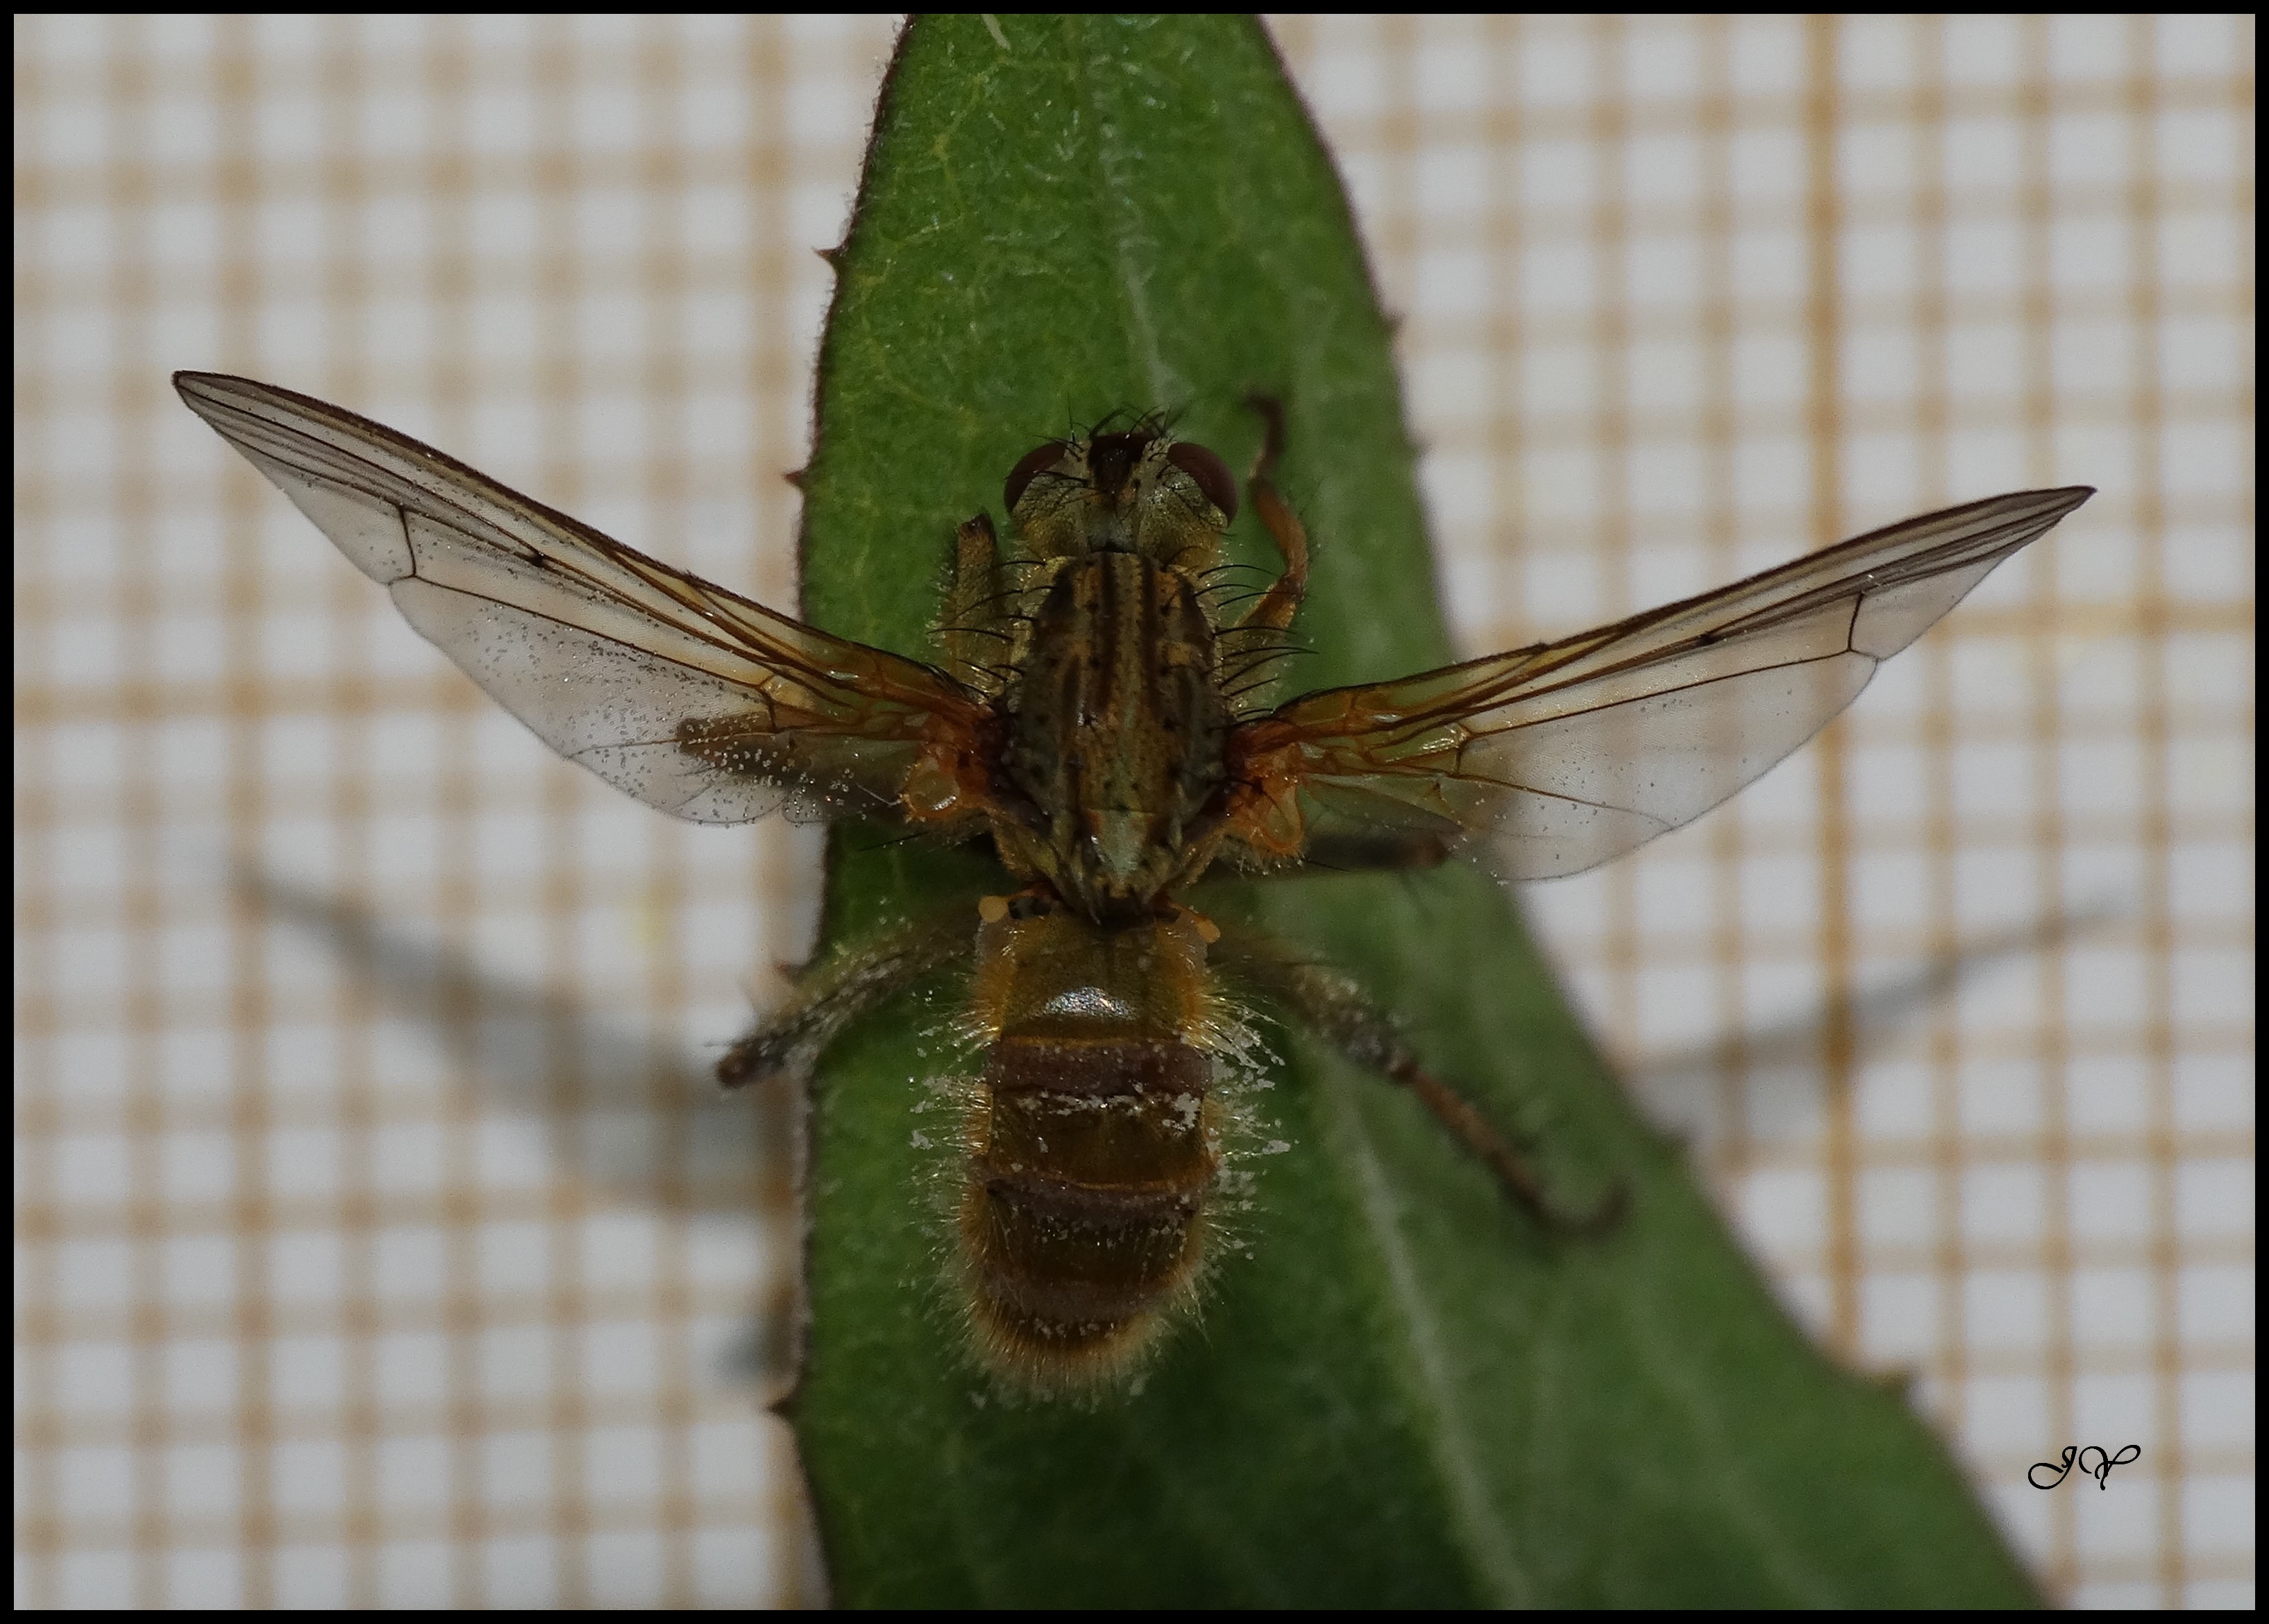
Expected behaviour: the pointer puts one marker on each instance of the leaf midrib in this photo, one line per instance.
(1463, 1479)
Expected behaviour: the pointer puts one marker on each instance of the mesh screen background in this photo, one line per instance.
(377, 1242)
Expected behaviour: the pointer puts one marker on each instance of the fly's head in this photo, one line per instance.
(1135, 489)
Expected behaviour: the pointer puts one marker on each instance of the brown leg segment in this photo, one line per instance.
(1368, 852)
(1281, 601)
(1332, 1005)
(972, 628)
(832, 995)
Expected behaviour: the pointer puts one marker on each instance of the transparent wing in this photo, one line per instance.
(1574, 752)
(691, 697)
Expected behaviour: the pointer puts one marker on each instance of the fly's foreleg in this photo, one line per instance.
(1277, 606)
(833, 995)
(1254, 649)
(1331, 1003)
(973, 628)
(1282, 600)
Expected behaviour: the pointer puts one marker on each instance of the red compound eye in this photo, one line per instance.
(1032, 462)
(1211, 473)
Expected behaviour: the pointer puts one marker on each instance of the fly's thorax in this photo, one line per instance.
(1116, 732)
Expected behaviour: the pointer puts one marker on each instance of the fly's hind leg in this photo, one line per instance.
(832, 995)
(1332, 1005)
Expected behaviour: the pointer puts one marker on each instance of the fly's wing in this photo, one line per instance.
(695, 700)
(1574, 752)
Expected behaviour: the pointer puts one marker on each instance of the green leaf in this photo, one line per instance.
(1400, 1390)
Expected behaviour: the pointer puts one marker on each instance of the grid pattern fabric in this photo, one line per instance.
(1955, 1008)
(378, 1240)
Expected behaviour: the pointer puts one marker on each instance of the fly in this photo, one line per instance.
(1103, 720)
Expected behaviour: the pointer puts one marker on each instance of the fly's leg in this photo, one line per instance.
(973, 628)
(1252, 649)
(831, 996)
(1365, 854)
(1281, 601)
(1332, 1005)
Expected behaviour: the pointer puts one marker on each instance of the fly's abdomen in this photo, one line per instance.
(1093, 1141)
(1082, 1222)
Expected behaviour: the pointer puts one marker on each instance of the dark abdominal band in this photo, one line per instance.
(1090, 1162)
